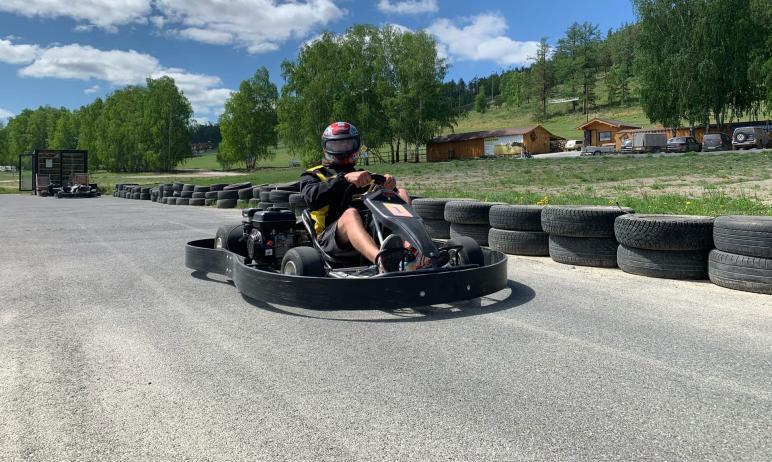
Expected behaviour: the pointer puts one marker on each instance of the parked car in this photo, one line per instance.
(649, 142)
(750, 137)
(716, 142)
(683, 144)
(627, 146)
(574, 145)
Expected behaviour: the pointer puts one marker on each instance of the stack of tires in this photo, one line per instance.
(432, 211)
(582, 235)
(742, 259)
(264, 197)
(297, 203)
(245, 194)
(136, 192)
(664, 246)
(186, 193)
(144, 194)
(210, 197)
(228, 197)
(176, 192)
(469, 218)
(517, 230)
(280, 198)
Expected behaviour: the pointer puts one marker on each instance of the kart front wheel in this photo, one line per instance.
(470, 253)
(302, 261)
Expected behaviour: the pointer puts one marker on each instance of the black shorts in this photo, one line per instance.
(328, 241)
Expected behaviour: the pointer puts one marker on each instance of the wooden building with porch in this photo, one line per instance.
(507, 142)
(603, 132)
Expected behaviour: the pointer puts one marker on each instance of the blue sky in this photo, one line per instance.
(67, 52)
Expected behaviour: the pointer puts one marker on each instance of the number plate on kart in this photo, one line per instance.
(398, 210)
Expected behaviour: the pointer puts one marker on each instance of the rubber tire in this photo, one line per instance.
(198, 195)
(740, 272)
(177, 186)
(667, 264)
(665, 232)
(210, 195)
(144, 197)
(201, 189)
(237, 186)
(144, 190)
(477, 232)
(584, 251)
(183, 201)
(188, 187)
(245, 194)
(197, 201)
(176, 194)
(264, 205)
(306, 261)
(283, 205)
(279, 195)
(437, 229)
(432, 208)
(231, 237)
(253, 202)
(230, 194)
(468, 213)
(296, 200)
(186, 194)
(581, 220)
(226, 203)
(265, 196)
(749, 236)
(471, 254)
(209, 202)
(293, 186)
(529, 243)
(516, 217)
(136, 196)
(217, 186)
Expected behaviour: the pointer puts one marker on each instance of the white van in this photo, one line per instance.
(574, 145)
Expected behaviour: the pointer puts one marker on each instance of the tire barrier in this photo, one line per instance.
(469, 218)
(517, 230)
(742, 259)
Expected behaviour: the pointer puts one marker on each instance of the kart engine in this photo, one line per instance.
(268, 234)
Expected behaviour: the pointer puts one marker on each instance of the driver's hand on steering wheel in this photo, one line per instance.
(390, 182)
(358, 179)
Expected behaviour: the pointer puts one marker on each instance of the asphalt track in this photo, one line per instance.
(110, 349)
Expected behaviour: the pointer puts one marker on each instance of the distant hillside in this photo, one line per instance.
(562, 125)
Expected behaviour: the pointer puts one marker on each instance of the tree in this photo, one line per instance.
(514, 89)
(542, 80)
(481, 102)
(248, 124)
(65, 135)
(166, 114)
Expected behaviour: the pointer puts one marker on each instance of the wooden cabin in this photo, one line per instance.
(603, 132)
(474, 145)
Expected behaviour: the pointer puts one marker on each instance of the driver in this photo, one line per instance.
(328, 189)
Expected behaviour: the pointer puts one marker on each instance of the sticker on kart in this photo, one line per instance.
(398, 210)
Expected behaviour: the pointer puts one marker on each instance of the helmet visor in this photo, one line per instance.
(344, 146)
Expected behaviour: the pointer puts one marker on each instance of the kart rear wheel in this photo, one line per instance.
(470, 253)
(302, 261)
(228, 237)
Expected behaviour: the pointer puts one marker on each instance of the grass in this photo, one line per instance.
(208, 161)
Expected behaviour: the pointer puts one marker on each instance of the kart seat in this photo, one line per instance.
(342, 258)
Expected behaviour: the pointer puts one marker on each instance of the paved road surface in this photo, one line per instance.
(111, 350)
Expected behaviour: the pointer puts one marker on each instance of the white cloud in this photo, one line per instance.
(17, 54)
(106, 14)
(408, 6)
(257, 25)
(5, 114)
(481, 39)
(92, 89)
(118, 67)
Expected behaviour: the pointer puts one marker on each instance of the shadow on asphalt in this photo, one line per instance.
(204, 276)
(516, 294)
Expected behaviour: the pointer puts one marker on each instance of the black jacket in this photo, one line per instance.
(334, 192)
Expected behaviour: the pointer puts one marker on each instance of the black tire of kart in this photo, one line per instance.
(229, 237)
(237, 186)
(740, 272)
(201, 189)
(471, 253)
(468, 212)
(197, 201)
(210, 195)
(479, 233)
(584, 251)
(666, 264)
(264, 205)
(529, 243)
(437, 229)
(744, 235)
(581, 220)
(245, 194)
(430, 208)
(226, 203)
(227, 194)
(664, 232)
(198, 195)
(279, 195)
(516, 217)
(188, 187)
(183, 201)
(303, 261)
(265, 196)
(217, 186)
(144, 197)
(210, 202)
(253, 202)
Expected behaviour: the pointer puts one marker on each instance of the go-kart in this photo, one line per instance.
(75, 190)
(272, 257)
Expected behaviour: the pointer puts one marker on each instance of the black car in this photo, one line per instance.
(627, 146)
(716, 142)
(683, 144)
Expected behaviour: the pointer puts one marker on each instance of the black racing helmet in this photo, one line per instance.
(340, 144)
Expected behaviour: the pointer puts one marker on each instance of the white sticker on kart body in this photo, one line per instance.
(398, 210)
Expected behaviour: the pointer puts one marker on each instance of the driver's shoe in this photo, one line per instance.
(391, 254)
(425, 262)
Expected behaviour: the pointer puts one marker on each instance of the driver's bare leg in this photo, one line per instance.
(402, 193)
(351, 230)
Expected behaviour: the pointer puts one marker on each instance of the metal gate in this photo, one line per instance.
(25, 172)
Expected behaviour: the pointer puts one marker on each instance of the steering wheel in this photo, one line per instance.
(376, 183)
